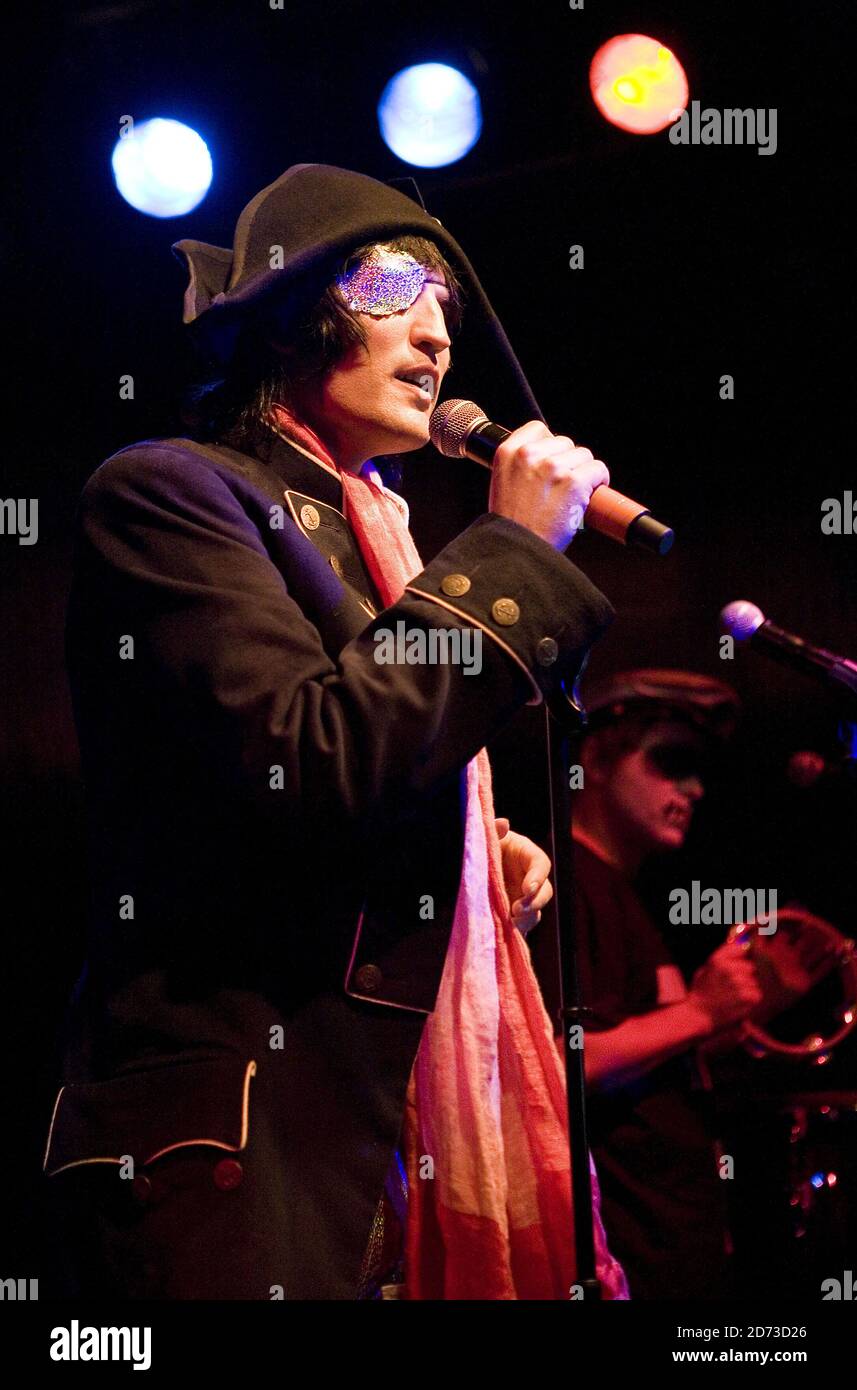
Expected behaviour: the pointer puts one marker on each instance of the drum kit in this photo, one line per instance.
(806, 1139)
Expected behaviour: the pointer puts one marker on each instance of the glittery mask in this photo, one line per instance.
(383, 282)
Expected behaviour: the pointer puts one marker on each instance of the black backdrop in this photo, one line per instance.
(699, 261)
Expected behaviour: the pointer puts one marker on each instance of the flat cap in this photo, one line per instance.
(709, 705)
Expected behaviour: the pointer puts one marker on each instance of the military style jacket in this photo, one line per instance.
(270, 810)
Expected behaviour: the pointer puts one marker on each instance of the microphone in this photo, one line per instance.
(459, 429)
(747, 623)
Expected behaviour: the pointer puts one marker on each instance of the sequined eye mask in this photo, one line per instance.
(383, 282)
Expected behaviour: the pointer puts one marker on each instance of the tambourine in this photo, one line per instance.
(835, 1016)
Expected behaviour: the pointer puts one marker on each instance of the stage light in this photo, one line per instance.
(162, 167)
(638, 84)
(430, 115)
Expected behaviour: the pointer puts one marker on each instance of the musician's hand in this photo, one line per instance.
(544, 481)
(525, 872)
(726, 987)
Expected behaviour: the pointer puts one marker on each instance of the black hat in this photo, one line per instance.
(293, 238)
(711, 707)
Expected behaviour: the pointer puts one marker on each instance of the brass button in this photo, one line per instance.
(368, 978)
(310, 518)
(505, 611)
(547, 652)
(336, 565)
(455, 584)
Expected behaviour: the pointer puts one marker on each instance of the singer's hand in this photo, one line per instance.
(543, 481)
(525, 873)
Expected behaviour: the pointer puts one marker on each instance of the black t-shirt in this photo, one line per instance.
(653, 1140)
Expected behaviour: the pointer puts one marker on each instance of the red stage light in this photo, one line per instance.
(638, 84)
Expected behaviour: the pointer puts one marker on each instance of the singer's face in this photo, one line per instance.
(652, 791)
(363, 408)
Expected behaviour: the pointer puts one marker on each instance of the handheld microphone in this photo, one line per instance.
(747, 623)
(459, 429)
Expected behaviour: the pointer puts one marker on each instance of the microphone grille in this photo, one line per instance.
(741, 619)
(451, 423)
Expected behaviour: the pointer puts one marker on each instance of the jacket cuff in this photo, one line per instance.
(528, 597)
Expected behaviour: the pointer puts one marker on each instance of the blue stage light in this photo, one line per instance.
(162, 167)
(430, 115)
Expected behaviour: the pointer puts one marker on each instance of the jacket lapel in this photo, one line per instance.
(311, 498)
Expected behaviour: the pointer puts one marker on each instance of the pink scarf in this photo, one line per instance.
(485, 1129)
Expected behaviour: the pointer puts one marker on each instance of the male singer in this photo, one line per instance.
(289, 839)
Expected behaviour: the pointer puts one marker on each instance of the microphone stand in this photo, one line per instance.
(564, 722)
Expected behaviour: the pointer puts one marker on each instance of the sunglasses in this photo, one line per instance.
(678, 761)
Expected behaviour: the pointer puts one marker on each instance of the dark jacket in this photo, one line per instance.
(276, 836)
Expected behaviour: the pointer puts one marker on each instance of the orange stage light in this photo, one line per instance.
(638, 84)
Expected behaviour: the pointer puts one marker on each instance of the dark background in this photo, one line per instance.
(699, 261)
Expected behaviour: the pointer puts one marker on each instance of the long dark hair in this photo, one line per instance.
(231, 405)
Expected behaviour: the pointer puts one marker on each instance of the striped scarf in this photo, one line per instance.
(485, 1132)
